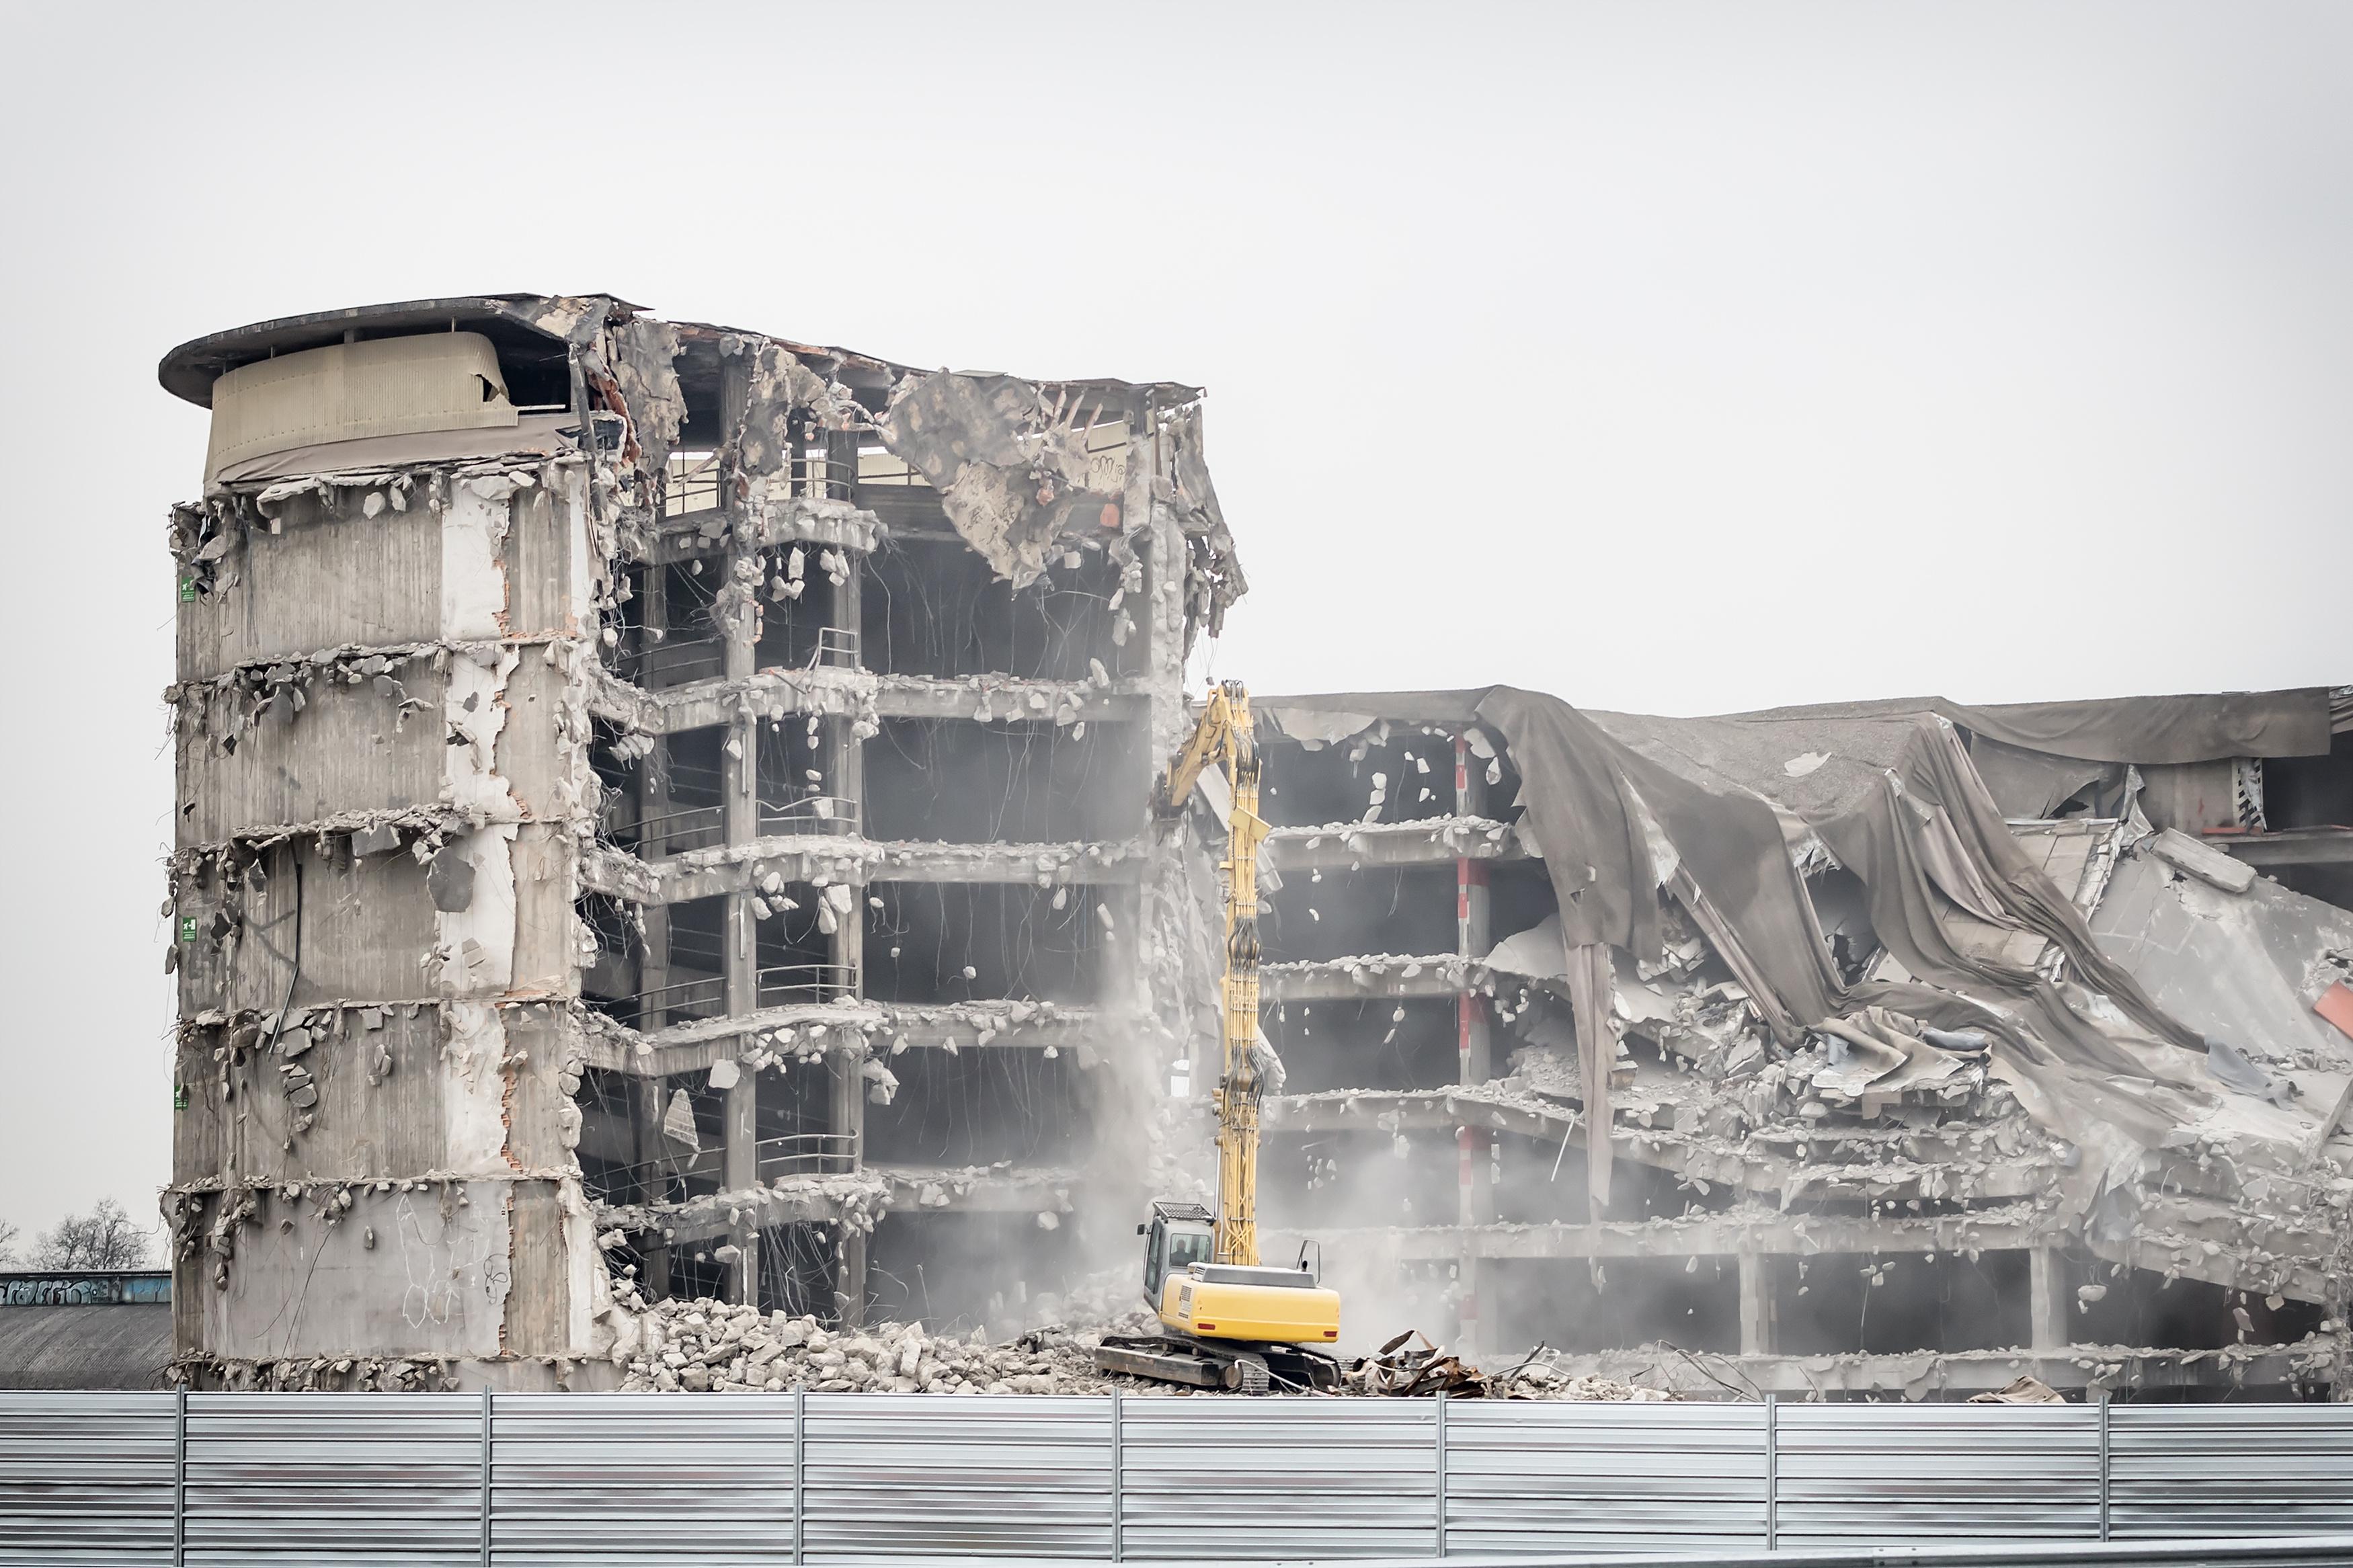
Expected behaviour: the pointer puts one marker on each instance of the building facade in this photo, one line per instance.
(659, 801)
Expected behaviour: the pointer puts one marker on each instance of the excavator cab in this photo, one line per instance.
(1179, 1235)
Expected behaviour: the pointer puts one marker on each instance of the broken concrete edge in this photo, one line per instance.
(862, 697)
(2095, 1371)
(853, 1202)
(204, 532)
(433, 825)
(345, 662)
(391, 1374)
(2211, 1246)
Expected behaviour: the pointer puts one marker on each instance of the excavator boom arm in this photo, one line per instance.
(1224, 737)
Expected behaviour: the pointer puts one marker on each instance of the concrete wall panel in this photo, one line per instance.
(368, 930)
(400, 1273)
(350, 749)
(330, 576)
(389, 1107)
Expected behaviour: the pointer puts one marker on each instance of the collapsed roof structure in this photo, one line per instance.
(1993, 999)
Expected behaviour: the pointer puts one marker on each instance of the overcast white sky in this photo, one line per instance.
(1674, 357)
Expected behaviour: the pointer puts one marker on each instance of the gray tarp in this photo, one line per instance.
(1890, 792)
(2195, 728)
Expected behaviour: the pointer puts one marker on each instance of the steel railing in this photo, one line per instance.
(814, 476)
(703, 998)
(810, 814)
(808, 1155)
(673, 662)
(691, 484)
(669, 831)
(778, 985)
(783, 984)
(791, 1155)
(876, 465)
(837, 648)
(701, 827)
(696, 482)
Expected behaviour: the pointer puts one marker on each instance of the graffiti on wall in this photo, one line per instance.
(80, 1289)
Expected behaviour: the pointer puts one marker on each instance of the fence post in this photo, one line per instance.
(800, 1464)
(2103, 1467)
(1772, 1472)
(486, 1475)
(1440, 1444)
(180, 1479)
(1118, 1503)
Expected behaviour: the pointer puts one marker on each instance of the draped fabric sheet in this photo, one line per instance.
(1718, 813)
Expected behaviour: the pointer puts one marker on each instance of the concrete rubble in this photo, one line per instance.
(713, 1346)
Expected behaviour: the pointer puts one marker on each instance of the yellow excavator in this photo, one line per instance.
(1227, 1322)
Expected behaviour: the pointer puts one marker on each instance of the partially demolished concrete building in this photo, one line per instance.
(660, 803)
(1938, 1046)
(656, 797)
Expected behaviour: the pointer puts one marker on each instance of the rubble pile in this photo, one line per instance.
(1412, 1365)
(710, 1346)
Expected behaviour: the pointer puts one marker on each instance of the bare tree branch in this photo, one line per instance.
(103, 1238)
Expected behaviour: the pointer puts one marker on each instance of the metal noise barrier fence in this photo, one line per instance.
(540, 1479)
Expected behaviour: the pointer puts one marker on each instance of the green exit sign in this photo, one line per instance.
(187, 928)
(187, 590)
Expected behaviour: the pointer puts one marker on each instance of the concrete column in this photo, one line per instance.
(736, 784)
(742, 1158)
(1473, 935)
(1472, 1022)
(742, 1170)
(1759, 1334)
(845, 780)
(653, 804)
(846, 1116)
(842, 458)
(2049, 1329)
(844, 774)
(648, 1099)
(734, 399)
(739, 794)
(1474, 1205)
(739, 777)
(653, 966)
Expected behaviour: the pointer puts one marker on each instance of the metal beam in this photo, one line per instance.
(1433, 841)
(2288, 846)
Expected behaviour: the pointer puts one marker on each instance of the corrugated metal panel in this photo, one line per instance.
(2230, 1469)
(908, 1476)
(1280, 1477)
(702, 1479)
(1859, 1474)
(1526, 1477)
(368, 1478)
(86, 1478)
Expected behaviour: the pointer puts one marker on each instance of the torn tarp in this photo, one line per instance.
(2193, 727)
(1610, 799)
